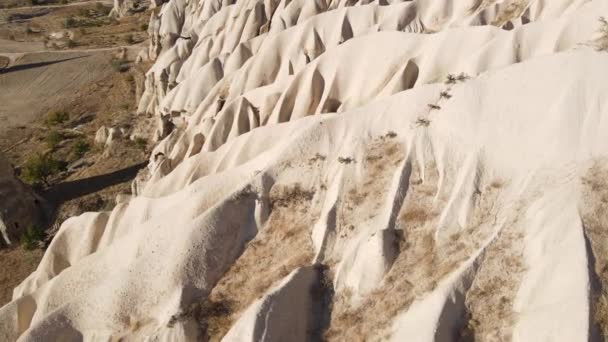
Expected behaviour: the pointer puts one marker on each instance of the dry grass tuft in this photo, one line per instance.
(407, 279)
(512, 11)
(445, 95)
(382, 156)
(601, 43)
(423, 122)
(595, 224)
(346, 160)
(286, 196)
(489, 301)
(421, 264)
(280, 247)
(415, 214)
(317, 157)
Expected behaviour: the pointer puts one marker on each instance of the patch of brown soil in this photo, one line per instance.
(89, 23)
(16, 264)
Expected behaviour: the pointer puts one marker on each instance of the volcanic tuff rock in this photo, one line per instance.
(351, 170)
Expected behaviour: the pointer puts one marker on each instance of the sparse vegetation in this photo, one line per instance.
(317, 157)
(434, 106)
(391, 134)
(143, 27)
(451, 79)
(53, 139)
(248, 278)
(462, 77)
(102, 9)
(601, 43)
(39, 168)
(70, 22)
(80, 148)
(423, 122)
(119, 65)
(57, 118)
(347, 160)
(445, 95)
(129, 39)
(140, 143)
(32, 236)
(595, 220)
(513, 10)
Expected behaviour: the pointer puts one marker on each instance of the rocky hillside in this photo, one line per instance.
(343, 170)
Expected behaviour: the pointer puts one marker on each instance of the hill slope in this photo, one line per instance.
(351, 170)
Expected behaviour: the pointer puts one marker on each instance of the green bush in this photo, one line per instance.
(38, 168)
(53, 139)
(80, 148)
(129, 39)
(31, 236)
(143, 27)
(141, 143)
(83, 12)
(102, 9)
(57, 118)
(70, 22)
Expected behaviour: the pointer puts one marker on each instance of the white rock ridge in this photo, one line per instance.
(352, 170)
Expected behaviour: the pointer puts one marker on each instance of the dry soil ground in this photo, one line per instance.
(77, 76)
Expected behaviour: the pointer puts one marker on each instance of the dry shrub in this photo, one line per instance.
(509, 12)
(409, 277)
(422, 261)
(489, 301)
(595, 223)
(367, 194)
(280, 247)
(601, 43)
(285, 196)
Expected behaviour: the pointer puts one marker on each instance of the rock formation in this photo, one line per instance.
(427, 170)
(19, 207)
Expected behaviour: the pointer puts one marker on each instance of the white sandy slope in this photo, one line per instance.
(413, 209)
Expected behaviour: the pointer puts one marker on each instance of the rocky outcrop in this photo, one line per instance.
(20, 208)
(127, 7)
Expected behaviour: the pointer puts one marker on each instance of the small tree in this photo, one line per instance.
(69, 22)
(31, 236)
(141, 143)
(57, 118)
(53, 139)
(80, 148)
(39, 168)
